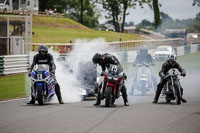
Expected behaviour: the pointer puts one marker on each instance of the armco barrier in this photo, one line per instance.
(15, 64)
(1, 65)
(180, 51)
(117, 46)
(12, 64)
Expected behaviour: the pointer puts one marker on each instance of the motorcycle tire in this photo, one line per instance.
(178, 95)
(108, 100)
(40, 95)
(143, 89)
(168, 100)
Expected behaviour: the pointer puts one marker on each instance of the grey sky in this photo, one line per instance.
(177, 9)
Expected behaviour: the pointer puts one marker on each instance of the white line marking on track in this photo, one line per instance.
(12, 100)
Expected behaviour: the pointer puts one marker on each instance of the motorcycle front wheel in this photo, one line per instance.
(40, 95)
(108, 100)
(178, 95)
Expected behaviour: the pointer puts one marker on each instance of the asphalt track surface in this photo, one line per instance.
(140, 117)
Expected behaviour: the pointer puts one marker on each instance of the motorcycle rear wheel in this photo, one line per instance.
(40, 95)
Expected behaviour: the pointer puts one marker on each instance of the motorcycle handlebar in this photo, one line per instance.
(178, 74)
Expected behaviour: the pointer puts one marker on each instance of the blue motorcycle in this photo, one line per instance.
(43, 87)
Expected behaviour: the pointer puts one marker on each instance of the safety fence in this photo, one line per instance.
(129, 56)
(117, 46)
(12, 64)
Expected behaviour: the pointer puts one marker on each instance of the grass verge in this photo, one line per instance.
(63, 30)
(12, 86)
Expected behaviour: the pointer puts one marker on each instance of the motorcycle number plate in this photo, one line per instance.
(114, 69)
(39, 76)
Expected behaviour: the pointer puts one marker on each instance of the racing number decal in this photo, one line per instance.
(39, 76)
(114, 68)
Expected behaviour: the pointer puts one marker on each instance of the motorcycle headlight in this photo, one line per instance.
(109, 76)
(116, 77)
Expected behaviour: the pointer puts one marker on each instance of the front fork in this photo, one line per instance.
(178, 85)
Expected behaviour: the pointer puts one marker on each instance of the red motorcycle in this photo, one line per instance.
(113, 82)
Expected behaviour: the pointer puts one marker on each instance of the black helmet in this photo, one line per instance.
(43, 48)
(172, 58)
(97, 58)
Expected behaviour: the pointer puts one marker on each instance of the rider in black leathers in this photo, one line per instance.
(104, 60)
(43, 57)
(167, 65)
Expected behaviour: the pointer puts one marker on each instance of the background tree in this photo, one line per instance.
(156, 10)
(196, 2)
(117, 10)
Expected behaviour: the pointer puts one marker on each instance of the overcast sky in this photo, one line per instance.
(177, 9)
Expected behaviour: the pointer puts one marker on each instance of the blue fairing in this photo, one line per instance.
(42, 78)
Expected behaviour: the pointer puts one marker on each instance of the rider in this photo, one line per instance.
(43, 57)
(167, 65)
(104, 60)
(143, 57)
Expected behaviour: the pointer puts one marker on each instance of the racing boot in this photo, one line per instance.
(156, 97)
(125, 97)
(98, 101)
(57, 90)
(32, 101)
(126, 103)
(183, 100)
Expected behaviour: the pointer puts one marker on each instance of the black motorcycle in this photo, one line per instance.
(171, 90)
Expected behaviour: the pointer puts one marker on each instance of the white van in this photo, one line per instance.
(19, 5)
(6, 6)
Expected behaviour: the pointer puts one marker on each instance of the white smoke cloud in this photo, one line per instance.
(83, 51)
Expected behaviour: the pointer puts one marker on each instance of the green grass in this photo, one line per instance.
(12, 86)
(62, 30)
(58, 35)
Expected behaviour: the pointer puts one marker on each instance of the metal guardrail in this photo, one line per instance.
(12, 64)
(118, 46)
(129, 56)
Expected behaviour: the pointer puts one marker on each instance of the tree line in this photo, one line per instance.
(87, 12)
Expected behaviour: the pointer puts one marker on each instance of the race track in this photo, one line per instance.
(140, 117)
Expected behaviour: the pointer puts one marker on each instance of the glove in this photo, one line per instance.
(29, 74)
(162, 76)
(183, 74)
(52, 71)
(102, 74)
(125, 76)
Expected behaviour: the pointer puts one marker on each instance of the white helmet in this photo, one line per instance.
(172, 57)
